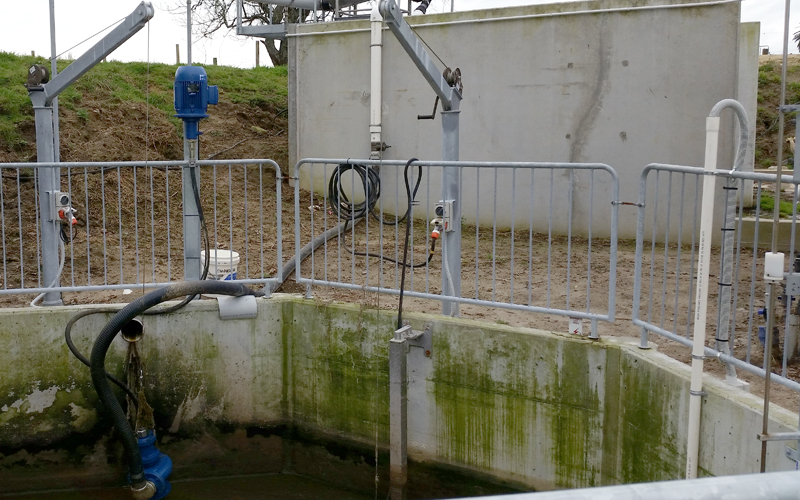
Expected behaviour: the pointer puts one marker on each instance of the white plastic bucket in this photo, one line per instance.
(222, 264)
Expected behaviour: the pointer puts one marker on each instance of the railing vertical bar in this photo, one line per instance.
(427, 239)
(366, 232)
(278, 204)
(738, 264)
(530, 238)
(786, 353)
(119, 225)
(169, 225)
(410, 242)
(38, 236)
(589, 245)
(152, 226)
(216, 213)
(325, 220)
(339, 237)
(246, 226)
(549, 240)
(136, 221)
(278, 223)
(569, 232)
(681, 213)
(396, 227)
(513, 232)
(3, 229)
(477, 228)
(105, 228)
(753, 266)
(312, 273)
(69, 229)
(689, 316)
(352, 232)
(88, 228)
(653, 252)
(494, 238)
(230, 208)
(666, 252)
(381, 238)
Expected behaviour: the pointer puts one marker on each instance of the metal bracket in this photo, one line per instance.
(793, 284)
(792, 454)
(244, 307)
(789, 108)
(779, 436)
(416, 338)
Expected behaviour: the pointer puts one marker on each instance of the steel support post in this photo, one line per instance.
(398, 417)
(191, 212)
(451, 187)
(49, 180)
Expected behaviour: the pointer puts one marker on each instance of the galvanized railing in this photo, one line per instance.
(510, 255)
(129, 223)
(666, 269)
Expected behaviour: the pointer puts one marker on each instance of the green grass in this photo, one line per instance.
(119, 83)
(768, 206)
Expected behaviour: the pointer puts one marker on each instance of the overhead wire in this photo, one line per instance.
(92, 36)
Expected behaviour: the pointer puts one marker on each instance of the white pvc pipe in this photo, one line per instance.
(701, 300)
(376, 82)
(189, 32)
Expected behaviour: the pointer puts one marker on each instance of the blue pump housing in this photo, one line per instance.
(193, 94)
(157, 466)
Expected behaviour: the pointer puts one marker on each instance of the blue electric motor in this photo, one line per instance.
(157, 466)
(193, 94)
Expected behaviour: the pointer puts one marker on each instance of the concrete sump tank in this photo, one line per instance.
(303, 388)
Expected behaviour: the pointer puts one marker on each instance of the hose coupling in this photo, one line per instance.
(146, 492)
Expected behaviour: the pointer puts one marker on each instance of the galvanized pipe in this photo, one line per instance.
(772, 486)
(398, 416)
(775, 226)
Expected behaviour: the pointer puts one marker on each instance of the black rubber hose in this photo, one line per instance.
(97, 361)
(405, 246)
(309, 247)
(74, 350)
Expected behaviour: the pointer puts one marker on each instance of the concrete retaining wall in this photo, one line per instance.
(527, 407)
(623, 82)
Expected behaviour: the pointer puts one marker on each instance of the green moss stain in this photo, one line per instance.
(576, 416)
(520, 400)
(649, 451)
(340, 368)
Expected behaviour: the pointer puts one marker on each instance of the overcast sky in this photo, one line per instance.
(26, 27)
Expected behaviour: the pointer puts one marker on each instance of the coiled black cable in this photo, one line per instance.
(371, 182)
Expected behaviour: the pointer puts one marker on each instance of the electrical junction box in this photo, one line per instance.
(59, 201)
(444, 211)
(193, 94)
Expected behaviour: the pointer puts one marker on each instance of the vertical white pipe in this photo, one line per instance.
(189, 32)
(376, 83)
(701, 300)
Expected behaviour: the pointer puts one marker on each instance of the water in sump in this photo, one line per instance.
(266, 487)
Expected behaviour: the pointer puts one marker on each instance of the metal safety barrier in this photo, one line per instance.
(667, 255)
(128, 230)
(518, 248)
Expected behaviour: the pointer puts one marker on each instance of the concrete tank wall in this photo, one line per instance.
(527, 407)
(622, 82)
